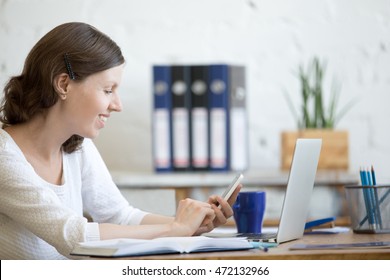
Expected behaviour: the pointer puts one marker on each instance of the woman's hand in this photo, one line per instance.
(223, 211)
(193, 217)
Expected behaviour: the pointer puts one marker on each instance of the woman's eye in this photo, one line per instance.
(108, 91)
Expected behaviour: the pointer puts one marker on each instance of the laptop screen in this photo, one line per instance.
(299, 189)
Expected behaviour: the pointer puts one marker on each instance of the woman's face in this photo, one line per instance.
(90, 102)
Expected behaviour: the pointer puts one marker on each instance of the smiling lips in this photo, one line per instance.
(103, 118)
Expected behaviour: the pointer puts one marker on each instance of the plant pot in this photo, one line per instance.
(334, 151)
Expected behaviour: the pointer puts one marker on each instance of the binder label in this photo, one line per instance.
(199, 137)
(161, 143)
(238, 139)
(218, 137)
(180, 137)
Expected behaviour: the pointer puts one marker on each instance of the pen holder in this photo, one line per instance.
(369, 208)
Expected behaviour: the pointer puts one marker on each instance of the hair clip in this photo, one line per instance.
(69, 67)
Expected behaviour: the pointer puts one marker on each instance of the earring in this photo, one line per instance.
(63, 96)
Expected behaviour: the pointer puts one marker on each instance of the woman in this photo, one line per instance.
(51, 172)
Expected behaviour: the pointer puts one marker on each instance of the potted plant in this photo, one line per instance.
(316, 120)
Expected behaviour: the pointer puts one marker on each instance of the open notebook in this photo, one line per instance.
(164, 245)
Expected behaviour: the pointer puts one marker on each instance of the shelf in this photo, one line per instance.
(178, 180)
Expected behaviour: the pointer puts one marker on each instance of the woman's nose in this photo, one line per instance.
(116, 103)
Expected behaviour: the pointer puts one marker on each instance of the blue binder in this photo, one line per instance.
(219, 117)
(239, 143)
(199, 118)
(162, 119)
(181, 102)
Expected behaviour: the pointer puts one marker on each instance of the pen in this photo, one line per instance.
(259, 246)
(319, 222)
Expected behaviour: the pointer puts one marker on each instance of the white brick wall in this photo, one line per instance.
(270, 37)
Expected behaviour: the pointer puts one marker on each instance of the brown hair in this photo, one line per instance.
(78, 46)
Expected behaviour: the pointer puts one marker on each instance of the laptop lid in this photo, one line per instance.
(299, 189)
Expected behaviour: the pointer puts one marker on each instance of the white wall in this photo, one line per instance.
(270, 37)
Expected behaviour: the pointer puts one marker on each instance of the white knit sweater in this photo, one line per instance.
(39, 220)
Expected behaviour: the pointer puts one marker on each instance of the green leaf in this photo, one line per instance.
(314, 113)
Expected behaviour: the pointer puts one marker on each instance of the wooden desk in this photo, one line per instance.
(282, 252)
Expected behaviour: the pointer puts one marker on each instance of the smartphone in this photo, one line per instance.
(229, 190)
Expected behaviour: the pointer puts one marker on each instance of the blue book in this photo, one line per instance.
(161, 119)
(219, 117)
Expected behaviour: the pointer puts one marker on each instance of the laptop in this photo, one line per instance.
(298, 193)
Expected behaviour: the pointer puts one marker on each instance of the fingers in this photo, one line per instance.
(192, 214)
(206, 226)
(203, 229)
(213, 199)
(224, 207)
(220, 218)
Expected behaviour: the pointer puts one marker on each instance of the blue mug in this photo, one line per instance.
(249, 211)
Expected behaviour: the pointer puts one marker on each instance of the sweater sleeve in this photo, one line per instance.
(28, 202)
(101, 197)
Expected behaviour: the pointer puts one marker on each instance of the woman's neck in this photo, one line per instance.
(41, 146)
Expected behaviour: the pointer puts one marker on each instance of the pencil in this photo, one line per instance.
(373, 175)
(368, 176)
(367, 199)
(378, 214)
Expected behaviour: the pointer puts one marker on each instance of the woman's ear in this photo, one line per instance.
(61, 83)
